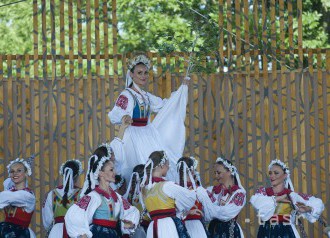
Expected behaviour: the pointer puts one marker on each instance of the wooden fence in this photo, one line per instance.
(54, 103)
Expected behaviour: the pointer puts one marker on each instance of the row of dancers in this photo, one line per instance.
(152, 206)
(145, 153)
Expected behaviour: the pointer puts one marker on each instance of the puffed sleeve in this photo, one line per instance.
(263, 204)
(184, 198)
(80, 215)
(156, 103)
(129, 213)
(47, 211)
(224, 212)
(20, 198)
(315, 203)
(124, 106)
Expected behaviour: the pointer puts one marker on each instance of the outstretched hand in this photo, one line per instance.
(186, 81)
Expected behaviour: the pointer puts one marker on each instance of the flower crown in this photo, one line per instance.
(281, 164)
(80, 171)
(109, 149)
(102, 161)
(26, 163)
(139, 59)
(163, 160)
(120, 183)
(229, 166)
(195, 163)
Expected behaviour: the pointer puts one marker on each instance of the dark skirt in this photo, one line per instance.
(283, 230)
(10, 230)
(221, 229)
(103, 231)
(181, 229)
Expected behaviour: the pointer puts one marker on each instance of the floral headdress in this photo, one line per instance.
(67, 173)
(288, 182)
(108, 147)
(233, 170)
(133, 62)
(80, 171)
(139, 59)
(151, 163)
(27, 163)
(93, 176)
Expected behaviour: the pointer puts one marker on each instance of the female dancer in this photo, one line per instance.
(134, 197)
(164, 199)
(18, 201)
(143, 137)
(60, 199)
(187, 176)
(98, 212)
(278, 205)
(225, 202)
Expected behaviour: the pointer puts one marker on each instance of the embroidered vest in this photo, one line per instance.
(106, 210)
(156, 199)
(58, 209)
(141, 111)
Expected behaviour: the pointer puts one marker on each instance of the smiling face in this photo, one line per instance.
(140, 75)
(18, 174)
(276, 175)
(107, 174)
(222, 175)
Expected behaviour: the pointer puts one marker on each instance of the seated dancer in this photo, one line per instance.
(17, 200)
(225, 202)
(164, 199)
(60, 199)
(134, 197)
(143, 136)
(98, 212)
(187, 178)
(278, 205)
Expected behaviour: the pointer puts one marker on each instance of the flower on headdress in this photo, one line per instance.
(74, 160)
(281, 164)
(232, 168)
(139, 59)
(99, 166)
(24, 162)
(108, 147)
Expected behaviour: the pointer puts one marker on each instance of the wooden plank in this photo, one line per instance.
(32, 92)
(62, 40)
(115, 47)
(87, 80)
(24, 104)
(68, 82)
(105, 104)
(77, 90)
(325, 128)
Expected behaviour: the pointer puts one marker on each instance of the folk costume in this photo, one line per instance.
(166, 202)
(18, 206)
(193, 222)
(97, 213)
(143, 136)
(53, 210)
(222, 205)
(278, 218)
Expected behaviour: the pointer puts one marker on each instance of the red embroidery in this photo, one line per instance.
(262, 190)
(83, 202)
(304, 196)
(213, 199)
(122, 102)
(126, 204)
(238, 200)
